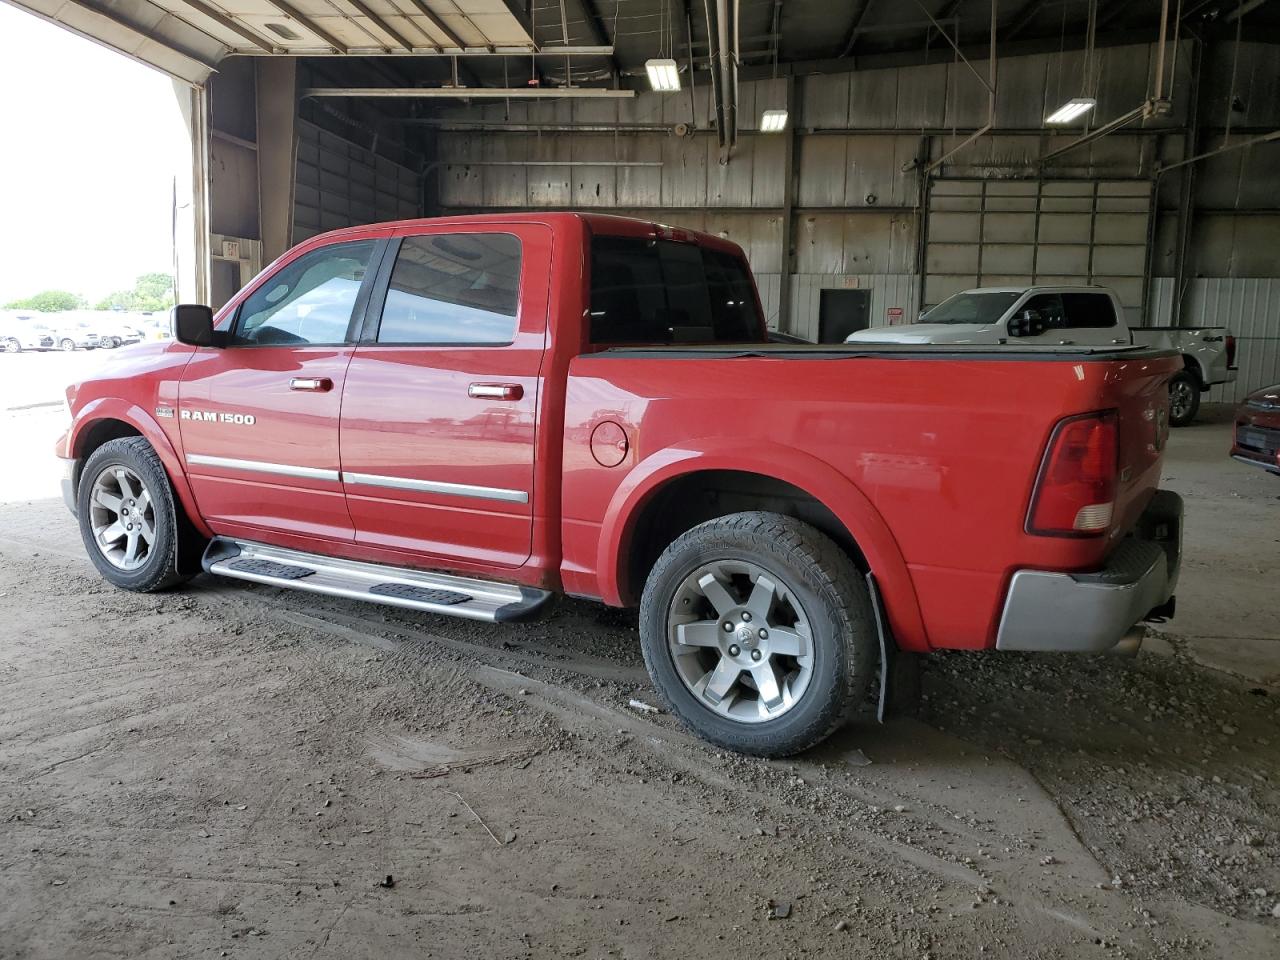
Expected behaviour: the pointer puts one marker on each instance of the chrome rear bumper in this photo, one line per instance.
(1091, 612)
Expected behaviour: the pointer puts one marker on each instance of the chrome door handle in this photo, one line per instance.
(314, 384)
(495, 391)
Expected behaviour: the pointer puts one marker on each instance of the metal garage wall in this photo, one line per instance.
(987, 233)
(855, 190)
(1250, 307)
(340, 184)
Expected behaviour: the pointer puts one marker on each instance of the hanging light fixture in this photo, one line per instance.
(773, 121)
(1071, 110)
(664, 75)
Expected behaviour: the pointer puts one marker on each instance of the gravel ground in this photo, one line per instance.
(232, 770)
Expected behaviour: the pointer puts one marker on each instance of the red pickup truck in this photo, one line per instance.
(470, 415)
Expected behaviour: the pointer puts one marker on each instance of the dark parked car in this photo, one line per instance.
(1257, 436)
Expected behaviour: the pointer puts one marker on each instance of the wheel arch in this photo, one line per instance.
(104, 420)
(1192, 364)
(674, 490)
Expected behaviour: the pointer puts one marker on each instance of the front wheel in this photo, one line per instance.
(12, 346)
(68, 344)
(758, 633)
(1184, 398)
(128, 517)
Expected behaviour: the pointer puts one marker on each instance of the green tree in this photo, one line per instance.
(151, 292)
(49, 301)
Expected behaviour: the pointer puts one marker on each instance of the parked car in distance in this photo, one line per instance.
(115, 328)
(1257, 430)
(74, 330)
(470, 415)
(1070, 315)
(18, 333)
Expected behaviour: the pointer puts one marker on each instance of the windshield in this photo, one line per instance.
(971, 308)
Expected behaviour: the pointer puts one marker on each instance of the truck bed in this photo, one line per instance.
(927, 453)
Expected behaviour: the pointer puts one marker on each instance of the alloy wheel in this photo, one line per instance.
(740, 640)
(1179, 399)
(122, 517)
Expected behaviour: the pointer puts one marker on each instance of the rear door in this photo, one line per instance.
(259, 417)
(439, 408)
(1076, 318)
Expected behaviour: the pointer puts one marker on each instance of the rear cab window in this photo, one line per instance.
(649, 291)
(1089, 310)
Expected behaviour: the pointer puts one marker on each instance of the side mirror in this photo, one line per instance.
(193, 325)
(1026, 323)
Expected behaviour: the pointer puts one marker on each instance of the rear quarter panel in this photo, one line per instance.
(929, 463)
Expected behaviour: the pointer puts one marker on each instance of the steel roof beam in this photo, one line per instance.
(472, 93)
(382, 24)
(293, 13)
(449, 52)
(433, 18)
(234, 26)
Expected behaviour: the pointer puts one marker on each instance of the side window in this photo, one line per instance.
(1049, 306)
(1092, 310)
(309, 301)
(453, 288)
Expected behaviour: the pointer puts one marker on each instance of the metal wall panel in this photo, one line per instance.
(341, 184)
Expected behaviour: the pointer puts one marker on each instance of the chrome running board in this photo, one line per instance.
(395, 586)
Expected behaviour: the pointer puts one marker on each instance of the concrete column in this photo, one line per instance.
(277, 94)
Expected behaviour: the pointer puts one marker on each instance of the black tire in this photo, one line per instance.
(835, 599)
(1184, 398)
(159, 570)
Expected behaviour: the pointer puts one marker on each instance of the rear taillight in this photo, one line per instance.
(1231, 352)
(1076, 491)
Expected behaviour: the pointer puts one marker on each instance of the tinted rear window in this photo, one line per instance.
(664, 291)
(1091, 310)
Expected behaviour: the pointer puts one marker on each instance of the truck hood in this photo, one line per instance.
(929, 333)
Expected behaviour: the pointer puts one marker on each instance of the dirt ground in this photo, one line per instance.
(237, 771)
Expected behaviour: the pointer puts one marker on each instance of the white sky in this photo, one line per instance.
(91, 143)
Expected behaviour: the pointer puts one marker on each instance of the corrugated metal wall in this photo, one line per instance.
(339, 184)
(856, 193)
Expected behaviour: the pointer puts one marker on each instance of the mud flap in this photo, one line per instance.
(899, 671)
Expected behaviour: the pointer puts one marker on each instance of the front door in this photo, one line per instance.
(259, 417)
(439, 409)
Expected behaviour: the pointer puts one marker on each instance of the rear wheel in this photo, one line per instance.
(1184, 398)
(12, 346)
(128, 517)
(758, 633)
(67, 344)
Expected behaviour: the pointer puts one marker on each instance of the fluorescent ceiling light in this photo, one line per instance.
(664, 75)
(773, 121)
(1071, 110)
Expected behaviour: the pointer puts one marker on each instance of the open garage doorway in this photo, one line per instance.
(95, 179)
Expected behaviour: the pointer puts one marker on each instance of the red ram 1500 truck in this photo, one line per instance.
(470, 415)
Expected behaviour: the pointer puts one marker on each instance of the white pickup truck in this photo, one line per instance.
(1070, 315)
